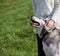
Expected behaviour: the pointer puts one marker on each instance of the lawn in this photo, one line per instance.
(16, 35)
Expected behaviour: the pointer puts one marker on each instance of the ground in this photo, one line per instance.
(16, 35)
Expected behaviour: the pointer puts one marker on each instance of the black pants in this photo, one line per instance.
(40, 47)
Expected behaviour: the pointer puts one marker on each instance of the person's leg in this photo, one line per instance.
(40, 47)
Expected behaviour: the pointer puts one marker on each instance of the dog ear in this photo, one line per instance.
(44, 32)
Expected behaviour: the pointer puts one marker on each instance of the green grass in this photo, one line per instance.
(16, 35)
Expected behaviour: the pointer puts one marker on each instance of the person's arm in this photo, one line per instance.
(55, 16)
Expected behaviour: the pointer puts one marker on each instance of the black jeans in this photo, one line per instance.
(40, 46)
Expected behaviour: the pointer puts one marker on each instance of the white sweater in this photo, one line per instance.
(47, 8)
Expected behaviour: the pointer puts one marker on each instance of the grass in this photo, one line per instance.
(16, 35)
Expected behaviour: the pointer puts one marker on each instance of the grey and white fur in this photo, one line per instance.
(51, 39)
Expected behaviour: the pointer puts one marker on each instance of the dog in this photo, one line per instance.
(51, 38)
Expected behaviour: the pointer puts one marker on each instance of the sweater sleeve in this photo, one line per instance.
(56, 15)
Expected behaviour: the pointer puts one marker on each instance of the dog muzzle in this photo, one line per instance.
(37, 22)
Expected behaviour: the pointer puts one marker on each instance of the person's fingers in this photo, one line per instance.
(50, 24)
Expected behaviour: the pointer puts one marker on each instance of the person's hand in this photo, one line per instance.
(49, 24)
